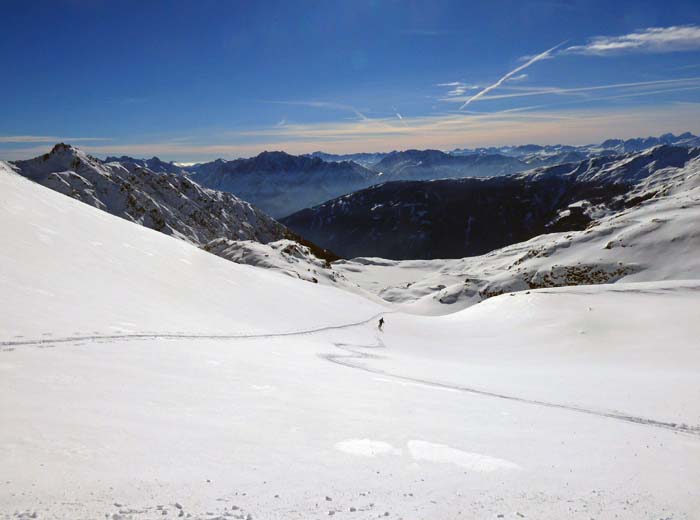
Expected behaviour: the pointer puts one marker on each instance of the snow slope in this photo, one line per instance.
(287, 257)
(128, 392)
(65, 253)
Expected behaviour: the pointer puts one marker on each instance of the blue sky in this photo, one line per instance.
(190, 81)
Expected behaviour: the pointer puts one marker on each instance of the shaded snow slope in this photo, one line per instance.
(127, 390)
(166, 202)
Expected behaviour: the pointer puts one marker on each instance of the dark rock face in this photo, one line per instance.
(436, 219)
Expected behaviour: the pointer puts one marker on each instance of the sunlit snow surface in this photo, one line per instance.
(139, 374)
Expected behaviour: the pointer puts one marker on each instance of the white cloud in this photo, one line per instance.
(457, 88)
(519, 77)
(46, 139)
(542, 56)
(651, 40)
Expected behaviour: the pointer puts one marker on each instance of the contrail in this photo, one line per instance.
(324, 104)
(505, 78)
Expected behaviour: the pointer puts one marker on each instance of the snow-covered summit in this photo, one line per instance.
(166, 202)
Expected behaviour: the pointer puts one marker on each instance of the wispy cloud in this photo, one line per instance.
(544, 55)
(46, 139)
(477, 129)
(325, 104)
(519, 77)
(650, 40)
(457, 88)
(460, 129)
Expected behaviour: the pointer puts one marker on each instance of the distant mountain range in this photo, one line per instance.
(366, 159)
(607, 217)
(454, 218)
(478, 199)
(434, 164)
(281, 184)
(530, 153)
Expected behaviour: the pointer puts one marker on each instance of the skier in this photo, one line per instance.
(381, 323)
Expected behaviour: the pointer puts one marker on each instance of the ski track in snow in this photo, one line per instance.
(140, 336)
(346, 360)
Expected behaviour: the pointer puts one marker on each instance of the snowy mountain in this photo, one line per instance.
(533, 155)
(280, 183)
(157, 380)
(531, 152)
(167, 202)
(465, 217)
(656, 238)
(642, 143)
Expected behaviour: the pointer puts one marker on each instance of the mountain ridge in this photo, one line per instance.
(454, 218)
(166, 202)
